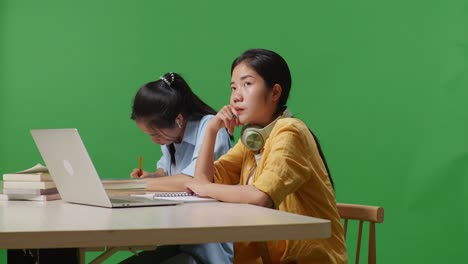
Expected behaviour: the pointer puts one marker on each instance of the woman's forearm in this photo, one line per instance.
(238, 194)
(204, 168)
(174, 183)
(158, 173)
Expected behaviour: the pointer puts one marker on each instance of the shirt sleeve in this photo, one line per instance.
(228, 168)
(289, 159)
(222, 145)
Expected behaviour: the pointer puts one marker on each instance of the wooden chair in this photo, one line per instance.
(362, 213)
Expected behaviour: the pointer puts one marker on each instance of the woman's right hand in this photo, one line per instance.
(134, 174)
(226, 117)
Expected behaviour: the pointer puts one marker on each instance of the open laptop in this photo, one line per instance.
(73, 172)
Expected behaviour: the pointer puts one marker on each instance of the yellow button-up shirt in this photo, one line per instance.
(293, 174)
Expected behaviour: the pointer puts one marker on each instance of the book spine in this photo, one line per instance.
(28, 185)
(36, 177)
(30, 197)
(29, 191)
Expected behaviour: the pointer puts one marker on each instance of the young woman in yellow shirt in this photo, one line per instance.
(277, 163)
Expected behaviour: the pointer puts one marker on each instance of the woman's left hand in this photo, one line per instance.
(198, 188)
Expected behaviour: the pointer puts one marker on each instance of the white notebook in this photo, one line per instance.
(176, 196)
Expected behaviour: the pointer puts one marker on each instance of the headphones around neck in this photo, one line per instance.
(254, 137)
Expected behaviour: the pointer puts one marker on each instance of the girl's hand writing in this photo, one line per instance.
(134, 174)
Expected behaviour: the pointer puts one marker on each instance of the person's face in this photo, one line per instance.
(250, 98)
(161, 136)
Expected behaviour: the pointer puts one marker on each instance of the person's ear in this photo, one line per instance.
(276, 92)
(179, 120)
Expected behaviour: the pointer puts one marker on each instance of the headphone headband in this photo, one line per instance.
(254, 137)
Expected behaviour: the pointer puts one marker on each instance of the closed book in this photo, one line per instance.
(30, 197)
(39, 176)
(30, 191)
(124, 184)
(28, 185)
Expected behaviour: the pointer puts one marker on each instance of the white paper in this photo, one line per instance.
(35, 169)
(189, 198)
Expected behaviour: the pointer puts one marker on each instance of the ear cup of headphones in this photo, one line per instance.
(252, 138)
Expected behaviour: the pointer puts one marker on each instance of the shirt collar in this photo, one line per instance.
(191, 130)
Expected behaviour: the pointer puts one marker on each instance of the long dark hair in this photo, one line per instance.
(274, 70)
(159, 102)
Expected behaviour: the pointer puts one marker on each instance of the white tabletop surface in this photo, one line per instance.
(56, 224)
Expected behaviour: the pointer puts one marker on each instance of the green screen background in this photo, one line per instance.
(383, 84)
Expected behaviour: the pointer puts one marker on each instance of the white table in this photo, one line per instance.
(56, 224)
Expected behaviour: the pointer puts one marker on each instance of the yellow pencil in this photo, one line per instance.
(140, 166)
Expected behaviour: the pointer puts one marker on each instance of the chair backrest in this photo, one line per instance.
(362, 213)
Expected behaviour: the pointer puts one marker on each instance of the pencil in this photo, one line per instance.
(140, 166)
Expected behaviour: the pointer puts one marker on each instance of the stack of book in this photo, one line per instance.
(118, 184)
(33, 184)
(123, 187)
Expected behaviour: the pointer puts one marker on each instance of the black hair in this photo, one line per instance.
(274, 70)
(160, 102)
(323, 158)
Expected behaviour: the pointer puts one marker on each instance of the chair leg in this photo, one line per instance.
(358, 249)
(372, 246)
(345, 227)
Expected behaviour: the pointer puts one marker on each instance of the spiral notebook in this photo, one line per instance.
(176, 196)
